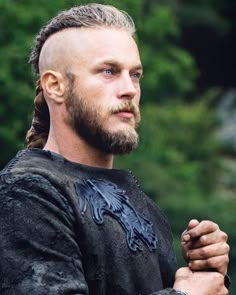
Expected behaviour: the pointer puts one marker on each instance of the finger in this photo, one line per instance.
(186, 247)
(208, 239)
(218, 263)
(203, 228)
(192, 223)
(208, 251)
(185, 250)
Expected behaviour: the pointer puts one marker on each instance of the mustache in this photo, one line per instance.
(128, 106)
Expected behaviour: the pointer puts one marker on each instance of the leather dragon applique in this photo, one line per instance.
(105, 197)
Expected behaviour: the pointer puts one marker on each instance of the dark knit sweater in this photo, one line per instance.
(67, 228)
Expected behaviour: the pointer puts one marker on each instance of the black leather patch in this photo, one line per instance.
(105, 197)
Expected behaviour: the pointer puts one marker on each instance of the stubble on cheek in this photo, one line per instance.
(93, 123)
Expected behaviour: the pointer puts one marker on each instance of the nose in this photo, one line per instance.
(127, 88)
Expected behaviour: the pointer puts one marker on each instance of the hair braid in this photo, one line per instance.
(37, 135)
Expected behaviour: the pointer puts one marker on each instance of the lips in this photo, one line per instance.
(125, 114)
(127, 110)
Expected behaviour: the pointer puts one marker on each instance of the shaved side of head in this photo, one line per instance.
(58, 51)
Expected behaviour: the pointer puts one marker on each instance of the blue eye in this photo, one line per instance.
(108, 72)
(136, 76)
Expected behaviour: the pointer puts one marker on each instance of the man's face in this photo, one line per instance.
(104, 92)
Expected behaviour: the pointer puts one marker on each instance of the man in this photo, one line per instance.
(70, 224)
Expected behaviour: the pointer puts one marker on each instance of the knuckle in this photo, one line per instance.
(221, 260)
(181, 272)
(217, 262)
(196, 266)
(224, 236)
(205, 223)
(203, 240)
(203, 252)
(217, 276)
(199, 264)
(227, 248)
(226, 259)
(212, 263)
(215, 225)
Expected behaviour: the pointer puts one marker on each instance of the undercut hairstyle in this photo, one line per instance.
(85, 16)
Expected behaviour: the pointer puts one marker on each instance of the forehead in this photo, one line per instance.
(77, 46)
(100, 44)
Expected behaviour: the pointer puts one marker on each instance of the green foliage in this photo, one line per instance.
(177, 146)
(178, 161)
(169, 71)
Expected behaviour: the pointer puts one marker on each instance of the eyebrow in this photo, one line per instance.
(114, 63)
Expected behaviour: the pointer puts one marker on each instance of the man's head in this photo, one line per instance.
(88, 60)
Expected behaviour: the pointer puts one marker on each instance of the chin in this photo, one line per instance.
(123, 127)
(128, 122)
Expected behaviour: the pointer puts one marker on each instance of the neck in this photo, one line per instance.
(75, 149)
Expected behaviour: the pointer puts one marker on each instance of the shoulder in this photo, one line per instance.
(35, 167)
(31, 178)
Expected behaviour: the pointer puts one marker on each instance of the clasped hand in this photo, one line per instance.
(205, 246)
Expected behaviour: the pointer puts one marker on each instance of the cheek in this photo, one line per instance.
(94, 86)
(97, 96)
(138, 94)
(137, 98)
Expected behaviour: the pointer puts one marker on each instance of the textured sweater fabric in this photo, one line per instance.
(67, 228)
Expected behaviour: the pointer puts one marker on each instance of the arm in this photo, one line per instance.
(38, 248)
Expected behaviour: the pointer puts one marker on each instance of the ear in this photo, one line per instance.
(54, 86)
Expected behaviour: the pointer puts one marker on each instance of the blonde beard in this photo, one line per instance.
(87, 122)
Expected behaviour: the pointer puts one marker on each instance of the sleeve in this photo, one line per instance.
(38, 248)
